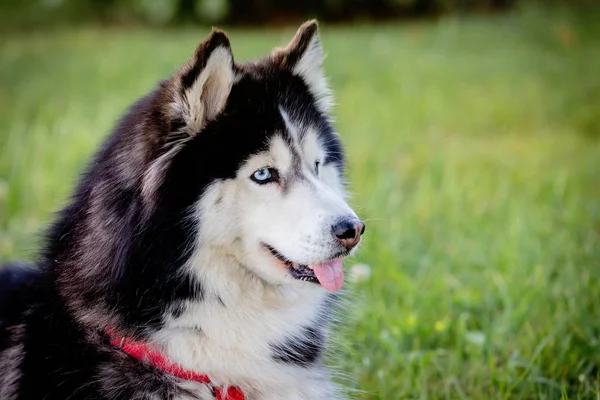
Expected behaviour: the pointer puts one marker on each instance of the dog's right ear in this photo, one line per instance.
(303, 56)
(202, 86)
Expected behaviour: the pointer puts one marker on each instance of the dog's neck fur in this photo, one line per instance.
(232, 333)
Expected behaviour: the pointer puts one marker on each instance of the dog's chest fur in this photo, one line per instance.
(265, 339)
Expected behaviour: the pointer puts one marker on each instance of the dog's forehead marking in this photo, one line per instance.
(311, 146)
(303, 140)
(292, 130)
(292, 135)
(281, 153)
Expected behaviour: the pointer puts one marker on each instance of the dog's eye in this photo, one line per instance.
(317, 167)
(265, 175)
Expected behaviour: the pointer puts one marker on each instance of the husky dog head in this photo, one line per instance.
(275, 197)
(239, 159)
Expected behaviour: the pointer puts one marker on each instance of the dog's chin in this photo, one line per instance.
(320, 273)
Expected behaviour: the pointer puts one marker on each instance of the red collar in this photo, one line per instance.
(143, 352)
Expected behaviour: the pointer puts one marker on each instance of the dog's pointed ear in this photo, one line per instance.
(303, 56)
(202, 86)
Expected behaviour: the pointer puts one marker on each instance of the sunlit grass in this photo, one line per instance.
(472, 151)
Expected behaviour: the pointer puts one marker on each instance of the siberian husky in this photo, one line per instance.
(200, 253)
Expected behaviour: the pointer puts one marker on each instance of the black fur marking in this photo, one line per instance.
(177, 310)
(177, 125)
(332, 145)
(303, 349)
(16, 283)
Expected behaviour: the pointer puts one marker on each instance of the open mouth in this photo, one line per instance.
(329, 273)
(298, 271)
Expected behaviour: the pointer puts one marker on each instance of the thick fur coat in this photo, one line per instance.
(209, 226)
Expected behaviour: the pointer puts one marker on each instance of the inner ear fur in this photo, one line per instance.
(203, 84)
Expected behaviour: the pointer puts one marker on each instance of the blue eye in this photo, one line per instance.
(264, 175)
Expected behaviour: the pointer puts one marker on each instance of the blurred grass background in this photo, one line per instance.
(473, 152)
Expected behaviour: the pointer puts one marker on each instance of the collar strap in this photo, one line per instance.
(144, 353)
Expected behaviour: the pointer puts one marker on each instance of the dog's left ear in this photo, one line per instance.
(202, 86)
(304, 57)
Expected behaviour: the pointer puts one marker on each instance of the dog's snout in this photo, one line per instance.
(348, 231)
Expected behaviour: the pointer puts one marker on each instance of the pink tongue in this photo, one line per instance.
(330, 274)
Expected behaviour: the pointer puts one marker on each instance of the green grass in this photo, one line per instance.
(473, 154)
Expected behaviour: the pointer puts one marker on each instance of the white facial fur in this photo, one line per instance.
(294, 216)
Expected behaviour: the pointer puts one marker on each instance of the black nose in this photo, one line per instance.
(348, 231)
